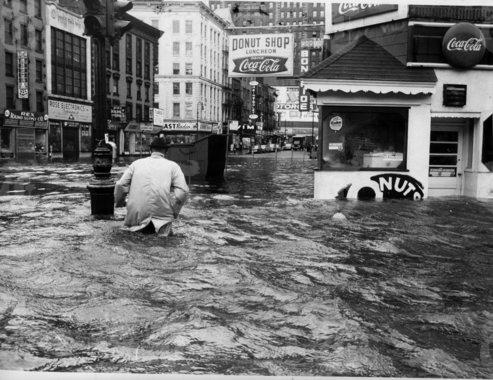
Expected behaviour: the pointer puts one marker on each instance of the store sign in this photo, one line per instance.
(261, 55)
(463, 45)
(287, 105)
(335, 123)
(304, 100)
(454, 95)
(304, 60)
(25, 115)
(58, 110)
(158, 116)
(64, 20)
(342, 12)
(312, 43)
(185, 126)
(22, 75)
(443, 172)
(399, 186)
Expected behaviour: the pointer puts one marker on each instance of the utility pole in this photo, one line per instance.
(104, 23)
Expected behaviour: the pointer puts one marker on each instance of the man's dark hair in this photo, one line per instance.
(159, 144)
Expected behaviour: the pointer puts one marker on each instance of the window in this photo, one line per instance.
(116, 89)
(188, 49)
(128, 54)
(108, 84)
(68, 62)
(9, 64)
(188, 69)
(8, 3)
(487, 157)
(155, 23)
(138, 58)
(147, 60)
(322, 14)
(138, 112)
(282, 14)
(176, 49)
(38, 35)
(188, 26)
(139, 92)
(39, 102)
(39, 70)
(24, 35)
(271, 16)
(25, 106)
(129, 89)
(9, 31)
(188, 88)
(146, 113)
(147, 99)
(23, 6)
(37, 8)
(176, 68)
(176, 88)
(176, 26)
(9, 97)
(357, 138)
(176, 109)
(116, 57)
(271, 5)
(315, 13)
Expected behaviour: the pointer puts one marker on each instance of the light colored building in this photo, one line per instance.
(191, 76)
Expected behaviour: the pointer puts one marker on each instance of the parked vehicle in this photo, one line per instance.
(287, 146)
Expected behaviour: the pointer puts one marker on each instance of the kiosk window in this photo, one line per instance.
(364, 138)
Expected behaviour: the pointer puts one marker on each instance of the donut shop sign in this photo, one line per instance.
(261, 55)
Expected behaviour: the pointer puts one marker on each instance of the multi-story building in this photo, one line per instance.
(130, 83)
(68, 82)
(23, 125)
(191, 74)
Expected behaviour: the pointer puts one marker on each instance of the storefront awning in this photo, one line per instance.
(365, 66)
(132, 126)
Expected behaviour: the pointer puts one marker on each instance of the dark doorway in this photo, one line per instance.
(70, 144)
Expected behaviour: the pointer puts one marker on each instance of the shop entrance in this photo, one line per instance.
(446, 158)
(70, 144)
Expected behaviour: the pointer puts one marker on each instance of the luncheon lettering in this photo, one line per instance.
(255, 42)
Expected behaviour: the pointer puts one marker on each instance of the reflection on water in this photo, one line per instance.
(257, 280)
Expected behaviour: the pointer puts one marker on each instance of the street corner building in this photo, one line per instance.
(405, 98)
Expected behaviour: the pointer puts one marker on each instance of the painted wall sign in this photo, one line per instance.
(287, 105)
(304, 60)
(261, 55)
(399, 186)
(342, 12)
(304, 100)
(69, 111)
(463, 45)
(22, 75)
(335, 123)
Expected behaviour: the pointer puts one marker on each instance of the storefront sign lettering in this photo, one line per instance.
(261, 55)
(463, 45)
(304, 101)
(399, 186)
(23, 75)
(342, 12)
(69, 111)
(25, 115)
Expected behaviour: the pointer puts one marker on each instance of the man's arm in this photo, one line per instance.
(180, 191)
(122, 187)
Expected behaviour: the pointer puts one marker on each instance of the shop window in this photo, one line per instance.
(55, 137)
(6, 147)
(85, 138)
(40, 140)
(487, 157)
(364, 138)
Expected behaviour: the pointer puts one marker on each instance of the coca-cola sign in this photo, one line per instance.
(261, 55)
(260, 65)
(463, 45)
(342, 12)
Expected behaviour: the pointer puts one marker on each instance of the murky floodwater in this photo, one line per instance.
(258, 279)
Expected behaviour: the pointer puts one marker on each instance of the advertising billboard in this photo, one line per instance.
(287, 104)
(261, 55)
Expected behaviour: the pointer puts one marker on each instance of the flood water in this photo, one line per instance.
(258, 279)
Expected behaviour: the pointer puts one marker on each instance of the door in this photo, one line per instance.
(445, 163)
(70, 143)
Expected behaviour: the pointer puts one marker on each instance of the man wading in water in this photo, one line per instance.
(156, 190)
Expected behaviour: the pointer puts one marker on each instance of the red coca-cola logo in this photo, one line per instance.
(260, 65)
(463, 45)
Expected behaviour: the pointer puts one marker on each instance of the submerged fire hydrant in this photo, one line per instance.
(102, 187)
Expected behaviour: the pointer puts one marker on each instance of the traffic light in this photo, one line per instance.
(95, 18)
(117, 25)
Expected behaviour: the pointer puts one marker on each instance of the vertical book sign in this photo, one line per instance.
(22, 75)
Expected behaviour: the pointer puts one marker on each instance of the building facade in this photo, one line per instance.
(193, 85)
(23, 121)
(414, 117)
(68, 83)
